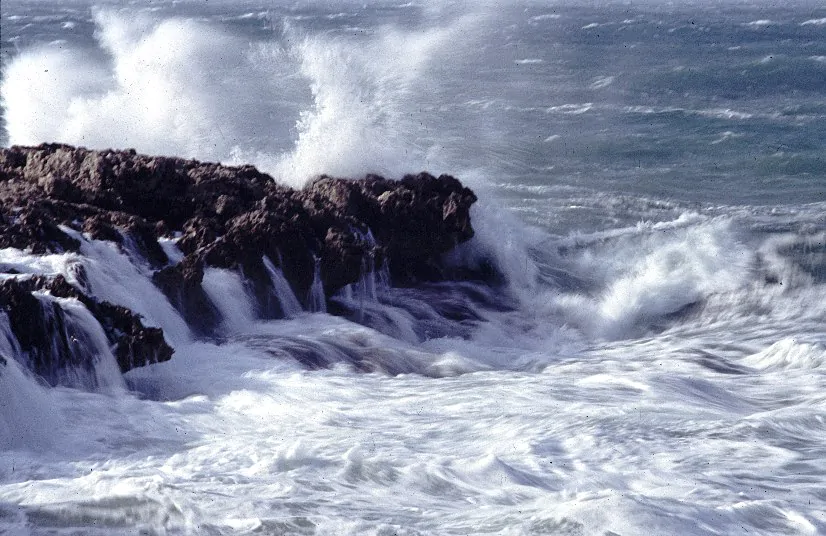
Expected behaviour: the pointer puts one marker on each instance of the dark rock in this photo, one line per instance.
(54, 346)
(182, 286)
(224, 217)
(230, 216)
(100, 229)
(32, 226)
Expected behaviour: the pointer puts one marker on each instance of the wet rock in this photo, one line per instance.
(182, 286)
(53, 346)
(227, 217)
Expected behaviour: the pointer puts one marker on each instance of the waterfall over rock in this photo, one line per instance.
(169, 249)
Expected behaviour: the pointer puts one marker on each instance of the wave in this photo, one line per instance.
(296, 106)
(714, 113)
(625, 283)
(760, 23)
(788, 354)
(303, 103)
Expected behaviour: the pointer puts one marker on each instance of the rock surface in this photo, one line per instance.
(223, 217)
(51, 342)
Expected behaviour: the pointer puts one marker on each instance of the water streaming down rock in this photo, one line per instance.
(368, 301)
(8, 342)
(187, 248)
(87, 337)
(368, 285)
(58, 338)
(113, 275)
(316, 301)
(228, 292)
(290, 306)
(170, 248)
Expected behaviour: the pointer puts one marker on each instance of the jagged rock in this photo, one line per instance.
(416, 220)
(32, 226)
(230, 216)
(53, 345)
(223, 217)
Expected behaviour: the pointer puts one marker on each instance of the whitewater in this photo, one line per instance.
(651, 183)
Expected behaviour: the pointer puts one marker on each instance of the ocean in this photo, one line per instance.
(651, 180)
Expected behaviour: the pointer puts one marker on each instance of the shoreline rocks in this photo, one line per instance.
(53, 343)
(225, 217)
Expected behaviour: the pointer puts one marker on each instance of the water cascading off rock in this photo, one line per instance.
(232, 218)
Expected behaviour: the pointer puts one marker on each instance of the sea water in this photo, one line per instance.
(652, 181)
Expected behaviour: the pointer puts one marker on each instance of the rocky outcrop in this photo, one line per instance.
(223, 217)
(229, 216)
(53, 343)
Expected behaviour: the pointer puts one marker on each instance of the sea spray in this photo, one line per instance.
(167, 86)
(616, 412)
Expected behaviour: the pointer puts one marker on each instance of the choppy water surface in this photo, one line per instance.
(652, 179)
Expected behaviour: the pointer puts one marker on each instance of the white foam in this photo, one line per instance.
(788, 354)
(653, 271)
(762, 23)
(717, 113)
(602, 82)
(725, 136)
(723, 113)
(12, 259)
(27, 417)
(574, 109)
(545, 16)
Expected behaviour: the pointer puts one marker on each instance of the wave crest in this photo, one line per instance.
(298, 105)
